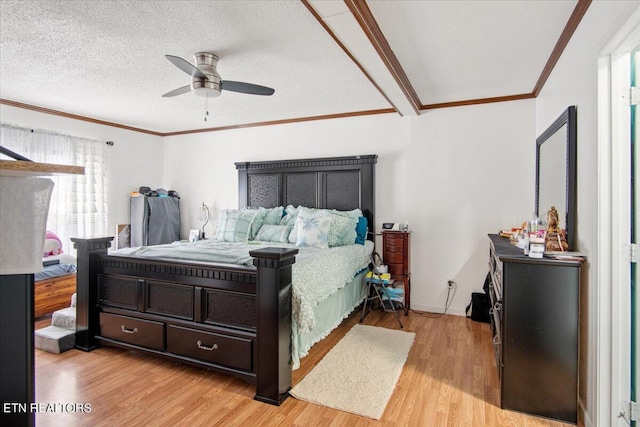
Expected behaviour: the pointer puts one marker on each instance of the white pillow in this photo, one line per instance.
(343, 225)
(313, 230)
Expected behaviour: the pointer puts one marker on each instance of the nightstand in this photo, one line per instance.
(396, 251)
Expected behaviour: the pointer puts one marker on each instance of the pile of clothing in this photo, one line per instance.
(158, 192)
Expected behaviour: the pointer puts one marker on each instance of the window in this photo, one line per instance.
(78, 202)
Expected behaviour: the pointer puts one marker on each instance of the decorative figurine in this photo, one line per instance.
(552, 220)
(556, 240)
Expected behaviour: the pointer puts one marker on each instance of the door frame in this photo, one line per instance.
(613, 328)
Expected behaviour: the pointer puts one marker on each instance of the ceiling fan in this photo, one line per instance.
(205, 80)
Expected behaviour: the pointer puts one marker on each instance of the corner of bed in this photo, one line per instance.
(233, 319)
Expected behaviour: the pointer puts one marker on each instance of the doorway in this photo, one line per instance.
(617, 300)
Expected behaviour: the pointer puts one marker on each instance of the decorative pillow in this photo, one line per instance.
(290, 215)
(342, 231)
(264, 216)
(354, 213)
(361, 230)
(257, 220)
(313, 230)
(291, 218)
(273, 215)
(343, 226)
(274, 233)
(234, 225)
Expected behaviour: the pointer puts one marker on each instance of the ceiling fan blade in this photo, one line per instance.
(186, 66)
(179, 91)
(243, 87)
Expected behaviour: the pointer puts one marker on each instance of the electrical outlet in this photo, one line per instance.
(450, 284)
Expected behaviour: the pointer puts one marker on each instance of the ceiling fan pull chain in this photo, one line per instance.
(206, 107)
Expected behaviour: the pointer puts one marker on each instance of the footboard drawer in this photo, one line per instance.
(211, 347)
(144, 333)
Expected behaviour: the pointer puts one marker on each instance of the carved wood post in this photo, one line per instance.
(87, 290)
(273, 286)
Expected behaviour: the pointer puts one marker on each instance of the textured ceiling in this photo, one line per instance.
(105, 59)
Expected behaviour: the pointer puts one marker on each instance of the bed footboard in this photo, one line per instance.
(231, 319)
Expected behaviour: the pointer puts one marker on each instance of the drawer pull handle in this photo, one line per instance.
(206, 347)
(128, 331)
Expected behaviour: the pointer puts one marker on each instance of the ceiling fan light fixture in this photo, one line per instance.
(209, 87)
(205, 80)
(206, 88)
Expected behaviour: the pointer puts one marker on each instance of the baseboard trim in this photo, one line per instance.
(438, 310)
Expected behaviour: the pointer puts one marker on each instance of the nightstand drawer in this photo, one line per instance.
(393, 258)
(144, 333)
(395, 239)
(394, 248)
(211, 347)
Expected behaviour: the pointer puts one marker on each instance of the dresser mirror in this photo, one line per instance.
(556, 171)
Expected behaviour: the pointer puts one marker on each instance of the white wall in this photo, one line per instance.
(574, 82)
(135, 159)
(201, 166)
(455, 174)
(471, 172)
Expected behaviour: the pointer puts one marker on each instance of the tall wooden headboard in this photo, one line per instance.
(342, 183)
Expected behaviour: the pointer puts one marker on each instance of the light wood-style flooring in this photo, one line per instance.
(449, 379)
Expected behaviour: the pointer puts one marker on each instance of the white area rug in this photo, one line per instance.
(359, 374)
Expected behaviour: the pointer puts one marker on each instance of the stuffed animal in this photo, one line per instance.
(52, 244)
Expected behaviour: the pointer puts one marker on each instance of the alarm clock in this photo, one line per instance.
(392, 226)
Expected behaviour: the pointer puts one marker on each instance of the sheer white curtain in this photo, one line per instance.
(78, 202)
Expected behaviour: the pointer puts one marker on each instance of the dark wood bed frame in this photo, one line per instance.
(231, 319)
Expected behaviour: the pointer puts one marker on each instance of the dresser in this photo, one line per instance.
(535, 327)
(396, 251)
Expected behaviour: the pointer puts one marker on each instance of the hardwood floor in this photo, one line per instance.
(449, 379)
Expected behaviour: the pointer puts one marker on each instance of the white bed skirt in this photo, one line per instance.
(328, 315)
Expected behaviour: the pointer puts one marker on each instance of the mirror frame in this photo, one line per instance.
(568, 117)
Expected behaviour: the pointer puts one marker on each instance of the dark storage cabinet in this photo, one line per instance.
(535, 331)
(154, 220)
